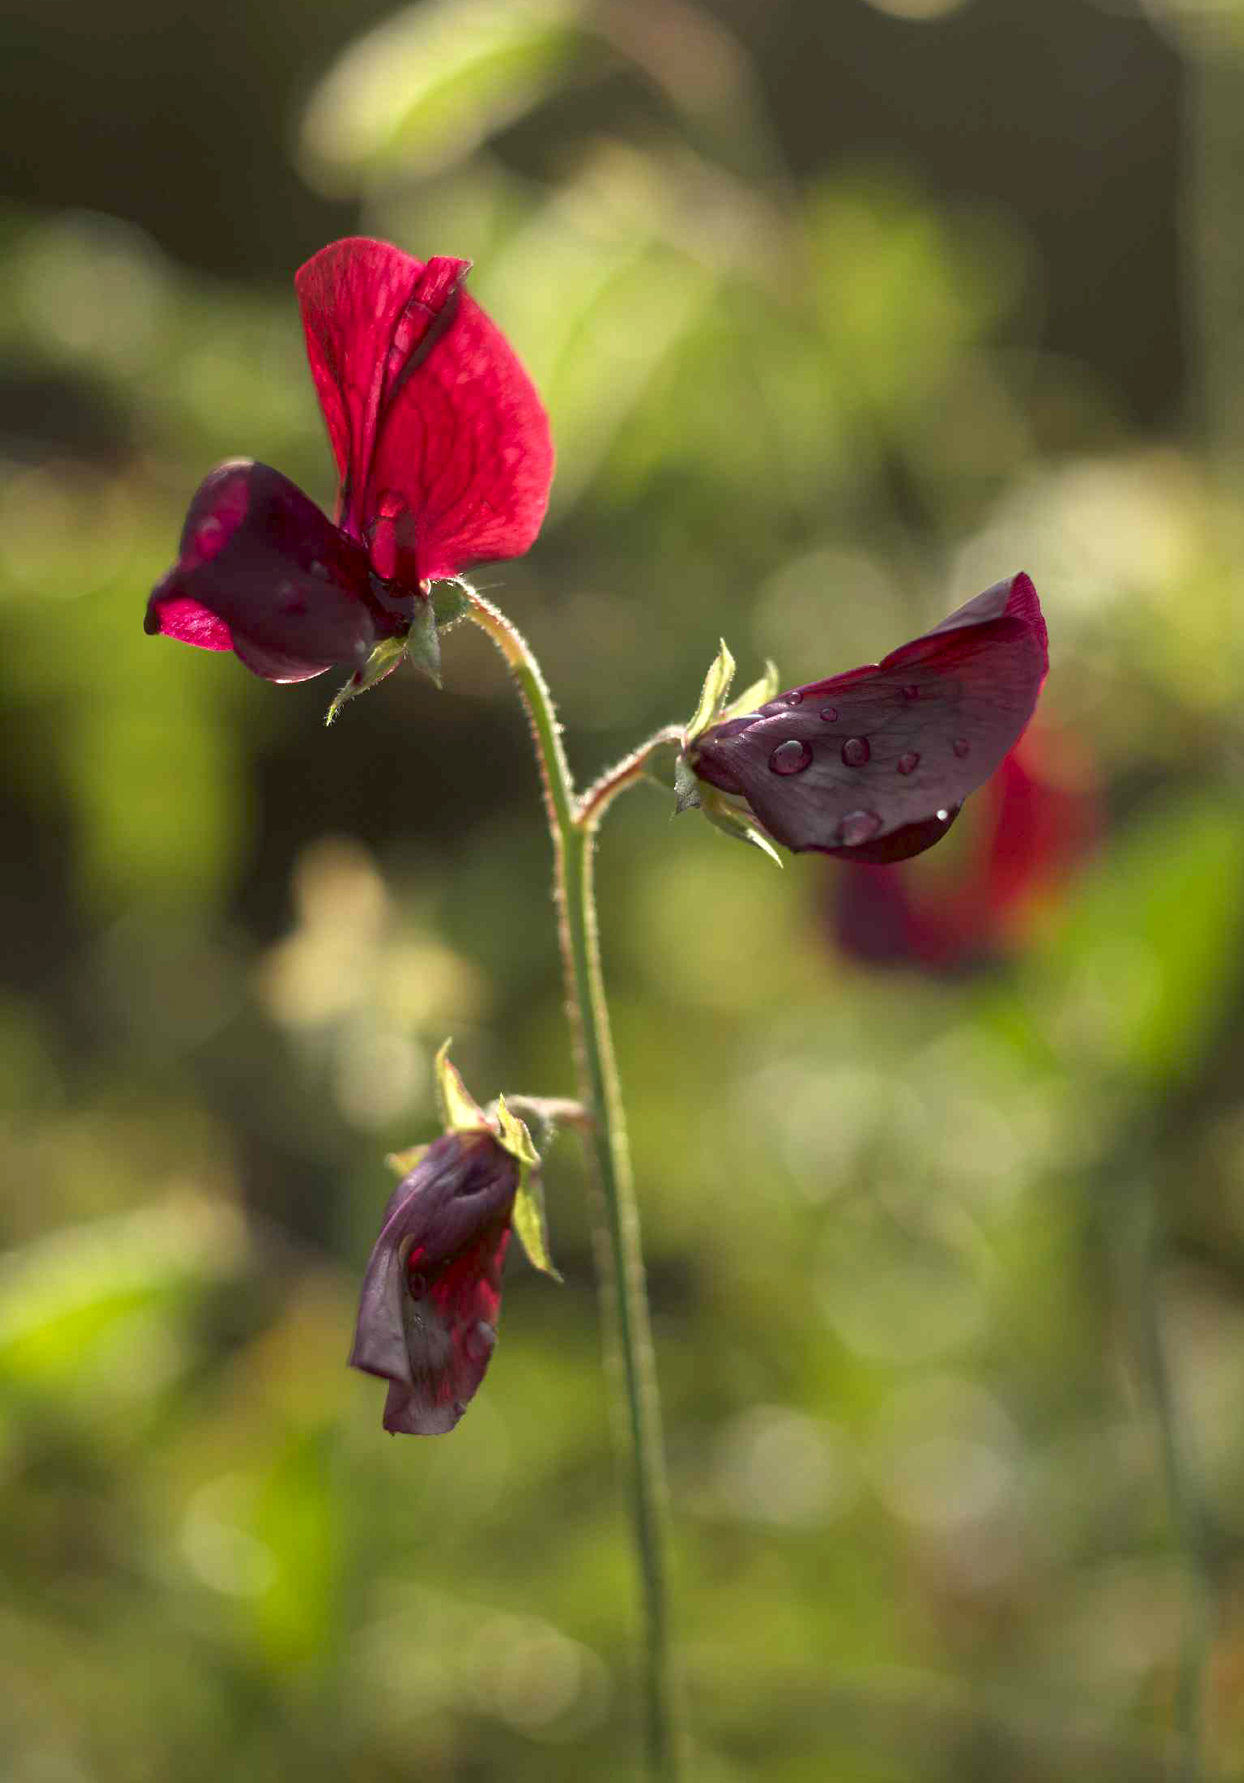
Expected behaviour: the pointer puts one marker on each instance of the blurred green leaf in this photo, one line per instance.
(432, 83)
(1150, 956)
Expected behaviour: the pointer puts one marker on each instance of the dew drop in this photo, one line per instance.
(791, 757)
(857, 827)
(856, 751)
(961, 747)
(829, 714)
(911, 693)
(907, 764)
(209, 538)
(479, 1342)
(942, 816)
(794, 698)
(417, 1284)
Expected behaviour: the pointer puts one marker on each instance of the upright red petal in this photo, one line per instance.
(442, 444)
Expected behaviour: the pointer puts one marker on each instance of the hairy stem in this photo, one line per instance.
(600, 795)
(624, 1299)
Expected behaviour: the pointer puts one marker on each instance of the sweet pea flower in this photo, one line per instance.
(1036, 826)
(444, 459)
(428, 1311)
(874, 765)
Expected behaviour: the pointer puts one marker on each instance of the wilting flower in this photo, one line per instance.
(444, 458)
(1035, 828)
(873, 765)
(428, 1312)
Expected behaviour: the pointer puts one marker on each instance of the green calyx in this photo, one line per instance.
(715, 707)
(436, 611)
(461, 1113)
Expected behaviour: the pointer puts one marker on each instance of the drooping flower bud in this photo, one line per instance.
(432, 1291)
(427, 1319)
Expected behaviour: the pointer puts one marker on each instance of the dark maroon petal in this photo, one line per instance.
(872, 765)
(442, 444)
(432, 1290)
(262, 571)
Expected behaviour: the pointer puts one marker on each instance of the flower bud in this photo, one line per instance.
(428, 1311)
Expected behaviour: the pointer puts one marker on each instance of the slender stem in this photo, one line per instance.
(624, 1300)
(1187, 1516)
(600, 795)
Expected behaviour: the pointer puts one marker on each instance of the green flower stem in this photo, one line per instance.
(1187, 1515)
(624, 1300)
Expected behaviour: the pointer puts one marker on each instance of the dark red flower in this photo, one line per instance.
(428, 1311)
(873, 765)
(444, 456)
(1035, 826)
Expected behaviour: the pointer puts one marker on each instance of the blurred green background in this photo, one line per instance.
(842, 310)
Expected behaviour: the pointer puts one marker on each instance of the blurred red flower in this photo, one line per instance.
(1035, 824)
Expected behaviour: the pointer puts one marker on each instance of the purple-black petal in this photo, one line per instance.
(263, 572)
(873, 765)
(432, 1289)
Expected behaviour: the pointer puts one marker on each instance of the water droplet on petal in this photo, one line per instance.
(942, 816)
(911, 693)
(857, 827)
(209, 538)
(417, 1284)
(791, 757)
(907, 764)
(829, 714)
(961, 747)
(793, 698)
(480, 1341)
(856, 751)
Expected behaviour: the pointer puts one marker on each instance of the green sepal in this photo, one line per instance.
(756, 695)
(529, 1219)
(714, 692)
(402, 1163)
(449, 603)
(423, 640)
(687, 795)
(386, 657)
(740, 826)
(459, 1111)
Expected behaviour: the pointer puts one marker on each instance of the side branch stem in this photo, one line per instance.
(624, 1300)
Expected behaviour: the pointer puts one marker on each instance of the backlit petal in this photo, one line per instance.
(442, 444)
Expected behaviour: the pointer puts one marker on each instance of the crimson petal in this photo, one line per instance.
(432, 1290)
(263, 572)
(442, 445)
(873, 765)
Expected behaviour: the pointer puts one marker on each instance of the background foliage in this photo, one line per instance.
(842, 311)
